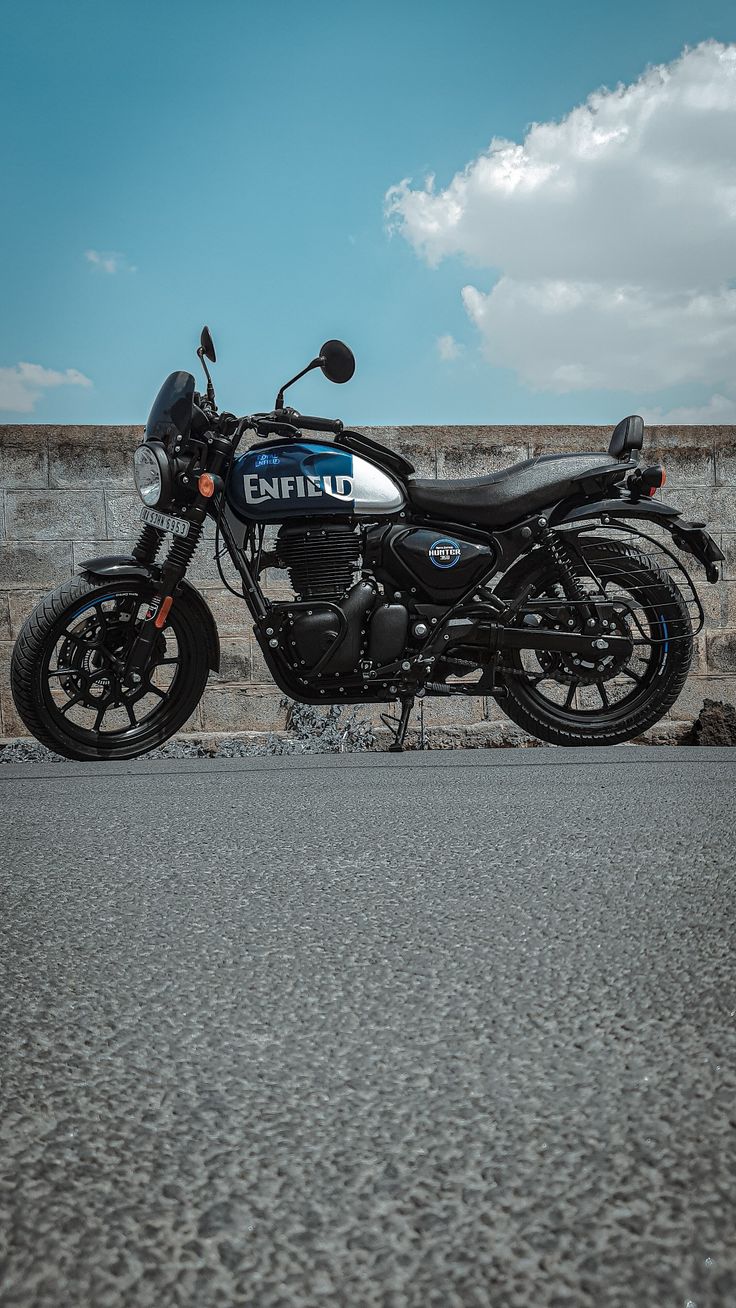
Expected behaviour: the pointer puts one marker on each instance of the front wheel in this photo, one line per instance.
(570, 700)
(67, 671)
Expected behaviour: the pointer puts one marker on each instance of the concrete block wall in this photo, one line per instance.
(66, 494)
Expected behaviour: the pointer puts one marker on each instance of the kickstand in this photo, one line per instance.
(407, 704)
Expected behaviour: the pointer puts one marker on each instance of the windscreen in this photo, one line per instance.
(171, 414)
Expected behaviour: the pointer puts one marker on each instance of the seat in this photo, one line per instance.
(506, 496)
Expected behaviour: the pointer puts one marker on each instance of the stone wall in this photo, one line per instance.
(66, 494)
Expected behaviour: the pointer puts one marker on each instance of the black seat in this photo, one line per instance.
(504, 497)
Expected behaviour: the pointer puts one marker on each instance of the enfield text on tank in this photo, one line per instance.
(538, 585)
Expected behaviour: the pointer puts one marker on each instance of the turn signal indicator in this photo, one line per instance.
(656, 480)
(163, 612)
(646, 481)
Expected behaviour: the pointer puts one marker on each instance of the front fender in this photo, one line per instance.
(123, 567)
(691, 537)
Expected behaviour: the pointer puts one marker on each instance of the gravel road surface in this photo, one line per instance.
(410, 1030)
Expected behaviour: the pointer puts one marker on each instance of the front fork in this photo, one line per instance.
(219, 453)
(172, 573)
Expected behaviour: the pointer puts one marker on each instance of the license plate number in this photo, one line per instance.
(165, 521)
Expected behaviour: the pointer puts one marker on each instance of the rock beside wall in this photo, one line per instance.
(66, 494)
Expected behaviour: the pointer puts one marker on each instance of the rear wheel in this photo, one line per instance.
(67, 671)
(567, 699)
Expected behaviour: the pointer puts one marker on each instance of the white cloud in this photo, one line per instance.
(448, 348)
(574, 336)
(21, 385)
(718, 409)
(612, 234)
(109, 261)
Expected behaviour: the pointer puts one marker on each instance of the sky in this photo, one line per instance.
(511, 212)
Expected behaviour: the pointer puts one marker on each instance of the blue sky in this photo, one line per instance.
(168, 164)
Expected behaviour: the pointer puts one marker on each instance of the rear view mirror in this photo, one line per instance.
(207, 346)
(336, 361)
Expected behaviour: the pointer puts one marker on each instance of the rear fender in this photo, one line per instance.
(121, 567)
(691, 537)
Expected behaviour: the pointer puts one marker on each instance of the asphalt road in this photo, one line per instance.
(446, 1029)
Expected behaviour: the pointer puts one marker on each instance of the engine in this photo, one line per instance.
(339, 619)
(321, 559)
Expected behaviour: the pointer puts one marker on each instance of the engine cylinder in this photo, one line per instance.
(321, 559)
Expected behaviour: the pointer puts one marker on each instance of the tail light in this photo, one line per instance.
(646, 481)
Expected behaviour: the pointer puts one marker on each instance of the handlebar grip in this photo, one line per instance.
(316, 424)
(287, 422)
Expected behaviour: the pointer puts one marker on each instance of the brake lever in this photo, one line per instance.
(264, 424)
(227, 423)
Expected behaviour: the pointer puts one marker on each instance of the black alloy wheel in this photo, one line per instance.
(598, 699)
(67, 671)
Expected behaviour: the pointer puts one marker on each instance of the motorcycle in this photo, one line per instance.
(536, 585)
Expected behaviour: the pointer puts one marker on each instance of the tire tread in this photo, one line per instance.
(28, 653)
(646, 715)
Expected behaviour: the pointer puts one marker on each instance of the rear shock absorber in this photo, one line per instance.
(559, 552)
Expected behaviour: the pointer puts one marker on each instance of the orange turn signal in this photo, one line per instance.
(206, 485)
(656, 484)
(163, 612)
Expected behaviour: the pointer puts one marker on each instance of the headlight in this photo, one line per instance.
(152, 474)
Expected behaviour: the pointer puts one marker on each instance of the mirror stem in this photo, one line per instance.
(280, 397)
(210, 387)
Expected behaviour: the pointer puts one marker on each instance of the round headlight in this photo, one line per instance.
(151, 473)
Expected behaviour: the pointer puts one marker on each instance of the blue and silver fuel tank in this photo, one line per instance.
(299, 479)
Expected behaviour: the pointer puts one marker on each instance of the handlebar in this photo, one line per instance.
(287, 422)
(309, 423)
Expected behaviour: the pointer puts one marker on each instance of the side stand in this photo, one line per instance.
(407, 704)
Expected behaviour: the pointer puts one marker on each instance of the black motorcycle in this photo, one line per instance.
(535, 585)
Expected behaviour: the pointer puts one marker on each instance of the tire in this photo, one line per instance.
(665, 612)
(109, 613)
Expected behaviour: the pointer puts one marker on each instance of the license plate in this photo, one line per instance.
(165, 521)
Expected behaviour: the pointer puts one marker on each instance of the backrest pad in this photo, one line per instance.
(628, 434)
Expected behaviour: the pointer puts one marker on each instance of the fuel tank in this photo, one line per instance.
(298, 479)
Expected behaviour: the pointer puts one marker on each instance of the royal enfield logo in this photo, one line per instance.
(258, 490)
(444, 553)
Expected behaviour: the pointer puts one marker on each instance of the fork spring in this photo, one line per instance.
(183, 547)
